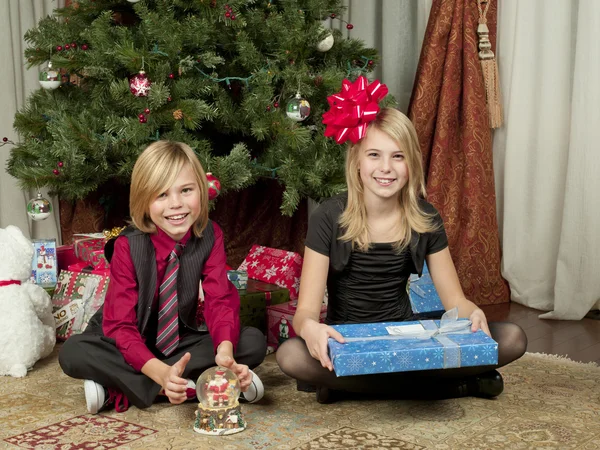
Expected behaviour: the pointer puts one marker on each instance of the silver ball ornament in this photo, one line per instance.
(326, 44)
(39, 208)
(298, 108)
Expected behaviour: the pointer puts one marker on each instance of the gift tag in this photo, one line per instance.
(403, 330)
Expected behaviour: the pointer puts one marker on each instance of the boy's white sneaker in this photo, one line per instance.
(255, 391)
(95, 396)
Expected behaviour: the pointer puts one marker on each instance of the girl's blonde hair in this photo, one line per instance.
(155, 170)
(354, 218)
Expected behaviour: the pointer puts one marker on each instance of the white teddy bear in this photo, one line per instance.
(27, 331)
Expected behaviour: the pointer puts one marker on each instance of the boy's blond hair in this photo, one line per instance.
(354, 218)
(155, 170)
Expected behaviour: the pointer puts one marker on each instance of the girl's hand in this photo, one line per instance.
(315, 335)
(241, 370)
(173, 385)
(478, 321)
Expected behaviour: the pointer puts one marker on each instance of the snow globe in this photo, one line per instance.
(218, 413)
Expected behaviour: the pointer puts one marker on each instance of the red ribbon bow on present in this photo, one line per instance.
(352, 109)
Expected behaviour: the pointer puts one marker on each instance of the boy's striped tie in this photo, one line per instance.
(167, 338)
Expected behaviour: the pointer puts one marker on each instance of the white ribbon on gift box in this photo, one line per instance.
(449, 324)
(416, 288)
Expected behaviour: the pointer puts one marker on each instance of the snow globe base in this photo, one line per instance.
(219, 421)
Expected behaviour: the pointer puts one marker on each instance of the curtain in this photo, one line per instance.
(16, 17)
(546, 156)
(395, 28)
(448, 109)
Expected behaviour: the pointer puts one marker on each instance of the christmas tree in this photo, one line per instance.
(243, 82)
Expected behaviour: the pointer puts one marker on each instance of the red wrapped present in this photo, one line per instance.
(90, 248)
(77, 297)
(274, 266)
(279, 322)
(82, 266)
(65, 255)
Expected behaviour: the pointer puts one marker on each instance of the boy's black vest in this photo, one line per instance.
(191, 263)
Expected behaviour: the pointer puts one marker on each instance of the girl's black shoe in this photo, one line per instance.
(325, 395)
(303, 386)
(487, 385)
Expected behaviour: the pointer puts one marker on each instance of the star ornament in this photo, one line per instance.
(352, 109)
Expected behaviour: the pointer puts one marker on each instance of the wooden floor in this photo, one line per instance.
(579, 340)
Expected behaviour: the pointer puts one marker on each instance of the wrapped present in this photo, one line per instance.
(424, 299)
(279, 322)
(43, 266)
(77, 297)
(65, 255)
(255, 299)
(408, 346)
(276, 266)
(86, 267)
(239, 278)
(90, 248)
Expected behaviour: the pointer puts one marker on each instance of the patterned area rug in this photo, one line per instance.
(549, 402)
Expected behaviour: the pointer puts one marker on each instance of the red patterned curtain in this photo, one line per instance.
(448, 108)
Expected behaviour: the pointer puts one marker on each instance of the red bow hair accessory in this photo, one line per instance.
(352, 109)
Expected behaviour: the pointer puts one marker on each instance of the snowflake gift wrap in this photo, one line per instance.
(407, 346)
(275, 266)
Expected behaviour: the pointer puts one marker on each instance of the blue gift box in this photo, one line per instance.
(424, 299)
(370, 348)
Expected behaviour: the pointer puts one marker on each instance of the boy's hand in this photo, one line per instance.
(173, 385)
(224, 358)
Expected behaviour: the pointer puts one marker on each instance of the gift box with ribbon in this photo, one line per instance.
(408, 346)
(90, 248)
(255, 299)
(424, 299)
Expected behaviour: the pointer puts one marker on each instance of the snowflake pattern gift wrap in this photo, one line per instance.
(408, 346)
(272, 265)
(424, 299)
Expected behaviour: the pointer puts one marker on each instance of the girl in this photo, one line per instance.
(363, 245)
(149, 339)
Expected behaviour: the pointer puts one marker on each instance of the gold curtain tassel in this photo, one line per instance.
(489, 68)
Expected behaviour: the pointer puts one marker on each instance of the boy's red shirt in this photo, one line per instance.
(222, 301)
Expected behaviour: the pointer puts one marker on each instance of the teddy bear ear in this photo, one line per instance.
(18, 235)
